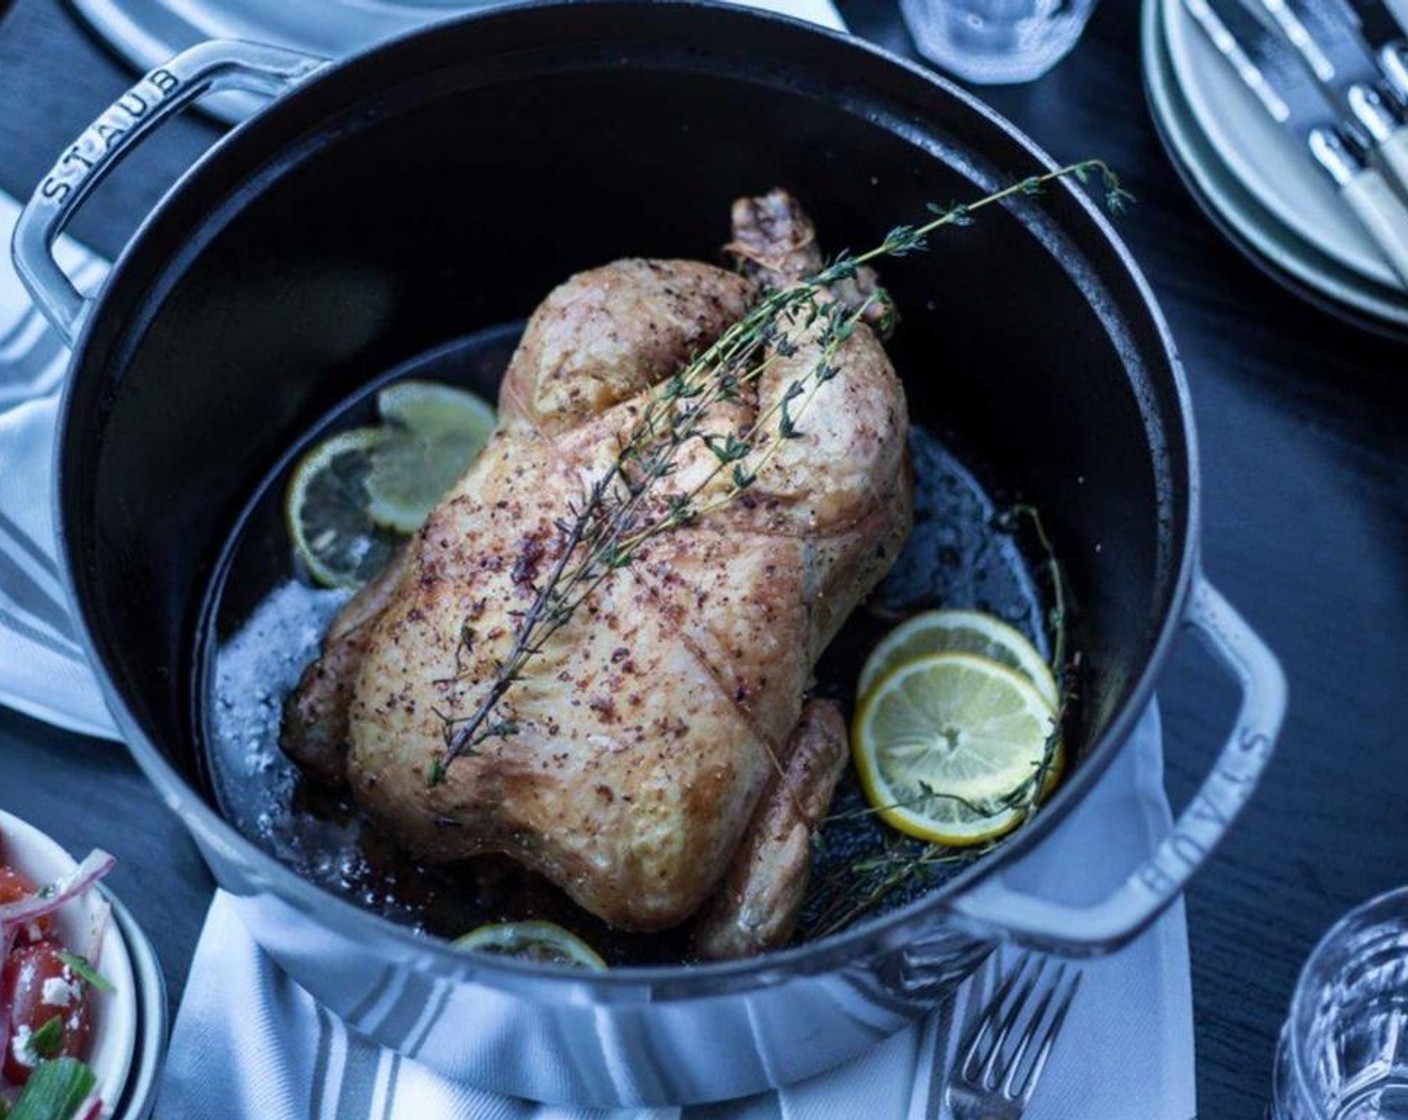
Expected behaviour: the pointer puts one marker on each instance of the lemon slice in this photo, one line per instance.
(433, 433)
(326, 511)
(941, 740)
(533, 941)
(953, 631)
(431, 406)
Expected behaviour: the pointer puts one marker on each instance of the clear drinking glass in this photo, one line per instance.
(1343, 1053)
(995, 41)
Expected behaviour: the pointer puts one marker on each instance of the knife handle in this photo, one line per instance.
(1394, 153)
(1393, 61)
(1382, 214)
(1389, 137)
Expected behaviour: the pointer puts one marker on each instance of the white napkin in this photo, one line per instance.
(822, 12)
(249, 1044)
(42, 667)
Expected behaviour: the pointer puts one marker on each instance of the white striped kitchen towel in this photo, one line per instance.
(43, 671)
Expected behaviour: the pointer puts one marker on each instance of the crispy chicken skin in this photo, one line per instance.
(637, 749)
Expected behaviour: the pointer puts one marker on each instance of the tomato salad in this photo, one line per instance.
(46, 996)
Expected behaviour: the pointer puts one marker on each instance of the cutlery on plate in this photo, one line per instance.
(1331, 47)
(1272, 70)
(1387, 37)
(1007, 1050)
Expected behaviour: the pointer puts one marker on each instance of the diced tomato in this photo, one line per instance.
(38, 987)
(15, 885)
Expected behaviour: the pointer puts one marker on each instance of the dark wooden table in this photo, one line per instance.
(1304, 430)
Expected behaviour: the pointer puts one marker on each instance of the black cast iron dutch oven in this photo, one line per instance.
(443, 183)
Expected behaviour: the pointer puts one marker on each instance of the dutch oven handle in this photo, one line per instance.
(995, 909)
(219, 64)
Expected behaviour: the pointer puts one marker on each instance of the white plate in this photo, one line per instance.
(114, 1037)
(1271, 164)
(1251, 226)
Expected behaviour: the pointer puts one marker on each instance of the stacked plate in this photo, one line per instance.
(1257, 183)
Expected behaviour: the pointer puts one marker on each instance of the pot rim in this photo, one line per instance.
(628, 983)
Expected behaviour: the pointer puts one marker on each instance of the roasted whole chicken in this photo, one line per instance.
(658, 759)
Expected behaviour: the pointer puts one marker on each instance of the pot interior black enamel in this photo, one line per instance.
(442, 185)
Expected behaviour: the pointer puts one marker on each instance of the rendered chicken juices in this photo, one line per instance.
(649, 738)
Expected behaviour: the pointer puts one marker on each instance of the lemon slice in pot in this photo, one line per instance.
(533, 941)
(943, 742)
(325, 509)
(432, 406)
(959, 631)
(433, 432)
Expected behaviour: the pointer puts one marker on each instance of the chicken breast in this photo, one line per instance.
(628, 763)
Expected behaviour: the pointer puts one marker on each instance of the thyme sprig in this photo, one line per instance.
(617, 515)
(839, 900)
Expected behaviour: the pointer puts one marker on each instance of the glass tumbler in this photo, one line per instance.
(996, 41)
(1343, 1053)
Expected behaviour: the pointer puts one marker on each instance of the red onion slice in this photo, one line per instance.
(90, 1109)
(49, 898)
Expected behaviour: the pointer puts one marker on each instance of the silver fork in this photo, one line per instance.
(1009, 1046)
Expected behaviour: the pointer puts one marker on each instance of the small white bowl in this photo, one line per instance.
(114, 1037)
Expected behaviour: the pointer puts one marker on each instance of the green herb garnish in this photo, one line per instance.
(54, 1091)
(45, 1042)
(85, 971)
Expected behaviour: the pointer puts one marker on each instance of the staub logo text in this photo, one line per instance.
(107, 133)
